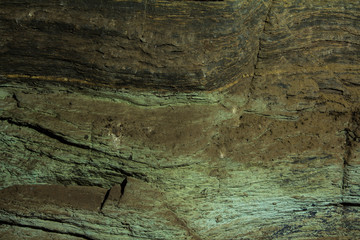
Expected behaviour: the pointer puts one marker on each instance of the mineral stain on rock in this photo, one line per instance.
(179, 119)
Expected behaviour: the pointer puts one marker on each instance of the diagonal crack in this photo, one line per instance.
(46, 229)
(106, 197)
(348, 153)
(46, 132)
(123, 185)
(350, 138)
(51, 134)
(256, 61)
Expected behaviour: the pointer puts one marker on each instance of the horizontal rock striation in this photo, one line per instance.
(173, 45)
(212, 169)
(309, 50)
(274, 153)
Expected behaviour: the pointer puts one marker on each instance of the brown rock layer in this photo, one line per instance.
(175, 45)
(273, 154)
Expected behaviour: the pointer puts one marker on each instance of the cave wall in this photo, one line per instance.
(105, 136)
(173, 45)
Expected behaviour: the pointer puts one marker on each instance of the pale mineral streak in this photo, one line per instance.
(264, 145)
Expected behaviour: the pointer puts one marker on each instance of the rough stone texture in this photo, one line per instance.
(178, 45)
(273, 153)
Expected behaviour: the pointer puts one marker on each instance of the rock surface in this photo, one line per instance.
(273, 153)
(176, 45)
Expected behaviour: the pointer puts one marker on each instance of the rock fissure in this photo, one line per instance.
(123, 185)
(351, 198)
(175, 120)
(105, 199)
(46, 132)
(51, 134)
(16, 100)
(348, 152)
(46, 230)
(349, 204)
(257, 55)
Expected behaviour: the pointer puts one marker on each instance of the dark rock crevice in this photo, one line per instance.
(62, 139)
(46, 132)
(258, 51)
(105, 199)
(347, 157)
(350, 175)
(81, 236)
(275, 156)
(349, 204)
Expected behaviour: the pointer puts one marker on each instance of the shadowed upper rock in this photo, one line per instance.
(174, 45)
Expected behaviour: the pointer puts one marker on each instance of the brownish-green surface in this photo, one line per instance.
(272, 153)
(175, 45)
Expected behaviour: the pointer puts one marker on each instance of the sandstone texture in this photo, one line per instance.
(206, 120)
(175, 45)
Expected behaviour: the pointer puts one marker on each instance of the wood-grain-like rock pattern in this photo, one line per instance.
(174, 45)
(273, 154)
(309, 50)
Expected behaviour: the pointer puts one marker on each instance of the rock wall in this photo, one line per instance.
(174, 45)
(267, 146)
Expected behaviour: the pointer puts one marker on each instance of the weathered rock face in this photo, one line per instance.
(177, 45)
(273, 153)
